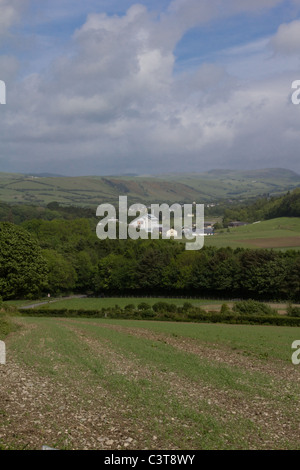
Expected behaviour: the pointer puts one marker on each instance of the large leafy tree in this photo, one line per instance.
(62, 275)
(23, 270)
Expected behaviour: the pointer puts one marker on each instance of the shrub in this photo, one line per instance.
(225, 309)
(196, 313)
(293, 311)
(144, 306)
(160, 307)
(148, 314)
(253, 307)
(187, 306)
(129, 307)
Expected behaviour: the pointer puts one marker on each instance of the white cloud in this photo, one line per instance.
(287, 39)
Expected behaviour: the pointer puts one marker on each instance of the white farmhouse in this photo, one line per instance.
(147, 222)
(171, 233)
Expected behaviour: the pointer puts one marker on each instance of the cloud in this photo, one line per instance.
(9, 67)
(10, 13)
(287, 39)
(111, 102)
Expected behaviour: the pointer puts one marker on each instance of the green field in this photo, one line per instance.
(108, 384)
(281, 233)
(98, 304)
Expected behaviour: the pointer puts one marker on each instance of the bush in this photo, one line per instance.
(129, 307)
(225, 309)
(196, 313)
(293, 311)
(148, 314)
(198, 316)
(144, 306)
(161, 307)
(187, 306)
(253, 307)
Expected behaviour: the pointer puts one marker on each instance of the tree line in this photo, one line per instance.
(263, 208)
(63, 256)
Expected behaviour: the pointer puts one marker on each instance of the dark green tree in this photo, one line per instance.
(23, 271)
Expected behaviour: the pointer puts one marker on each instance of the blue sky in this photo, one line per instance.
(49, 25)
(205, 43)
(115, 86)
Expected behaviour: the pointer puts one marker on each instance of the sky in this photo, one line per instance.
(109, 87)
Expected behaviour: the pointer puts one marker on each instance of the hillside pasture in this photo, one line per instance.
(283, 232)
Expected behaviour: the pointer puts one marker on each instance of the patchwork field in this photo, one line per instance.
(112, 384)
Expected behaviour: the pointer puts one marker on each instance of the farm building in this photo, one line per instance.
(147, 222)
(237, 223)
(171, 233)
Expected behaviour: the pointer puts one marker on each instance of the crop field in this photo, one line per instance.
(120, 384)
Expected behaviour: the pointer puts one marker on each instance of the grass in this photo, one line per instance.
(21, 303)
(169, 386)
(283, 232)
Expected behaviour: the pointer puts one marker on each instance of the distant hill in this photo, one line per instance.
(44, 175)
(287, 205)
(265, 174)
(91, 191)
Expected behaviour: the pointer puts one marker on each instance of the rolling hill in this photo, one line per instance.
(93, 190)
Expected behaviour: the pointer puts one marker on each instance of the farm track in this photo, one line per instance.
(78, 411)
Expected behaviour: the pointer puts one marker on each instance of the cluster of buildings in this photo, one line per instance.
(151, 224)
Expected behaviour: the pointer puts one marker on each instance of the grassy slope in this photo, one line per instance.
(281, 228)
